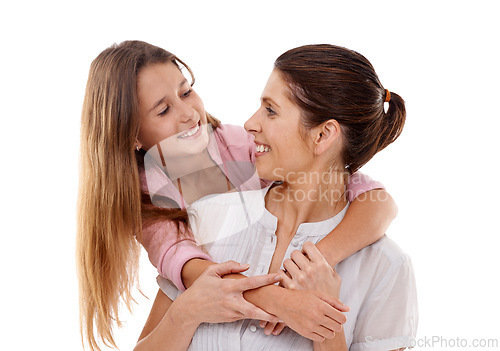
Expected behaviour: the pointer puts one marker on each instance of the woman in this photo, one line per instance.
(324, 105)
(136, 97)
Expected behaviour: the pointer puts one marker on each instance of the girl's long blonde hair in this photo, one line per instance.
(109, 204)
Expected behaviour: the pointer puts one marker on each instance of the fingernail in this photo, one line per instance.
(262, 324)
(245, 265)
(277, 277)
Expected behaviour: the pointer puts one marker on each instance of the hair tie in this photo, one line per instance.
(387, 96)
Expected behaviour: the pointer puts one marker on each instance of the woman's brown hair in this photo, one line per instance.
(332, 82)
(111, 207)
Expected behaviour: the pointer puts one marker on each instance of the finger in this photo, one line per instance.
(257, 281)
(269, 328)
(325, 332)
(334, 302)
(316, 337)
(332, 325)
(291, 268)
(300, 260)
(250, 311)
(335, 319)
(228, 267)
(285, 279)
(279, 328)
(312, 252)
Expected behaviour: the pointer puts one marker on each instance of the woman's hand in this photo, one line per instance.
(312, 314)
(215, 300)
(309, 270)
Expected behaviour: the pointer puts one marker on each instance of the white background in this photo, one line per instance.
(442, 57)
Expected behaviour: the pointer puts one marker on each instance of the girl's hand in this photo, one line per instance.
(309, 270)
(215, 300)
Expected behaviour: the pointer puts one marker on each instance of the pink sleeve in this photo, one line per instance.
(360, 183)
(168, 254)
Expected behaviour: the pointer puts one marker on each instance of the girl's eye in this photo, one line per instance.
(187, 93)
(270, 111)
(164, 112)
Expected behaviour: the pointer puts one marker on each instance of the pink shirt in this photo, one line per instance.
(233, 149)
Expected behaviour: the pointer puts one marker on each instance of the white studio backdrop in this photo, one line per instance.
(440, 56)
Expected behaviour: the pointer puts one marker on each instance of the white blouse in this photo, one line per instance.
(378, 283)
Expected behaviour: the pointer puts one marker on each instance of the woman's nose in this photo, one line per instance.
(252, 125)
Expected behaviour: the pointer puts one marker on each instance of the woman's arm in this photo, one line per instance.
(365, 221)
(312, 271)
(289, 305)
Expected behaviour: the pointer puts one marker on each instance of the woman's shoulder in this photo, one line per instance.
(385, 254)
(389, 249)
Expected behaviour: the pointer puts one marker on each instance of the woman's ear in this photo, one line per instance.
(326, 136)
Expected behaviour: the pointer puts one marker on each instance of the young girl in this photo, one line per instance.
(136, 97)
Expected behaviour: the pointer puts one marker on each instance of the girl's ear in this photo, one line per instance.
(137, 145)
(326, 135)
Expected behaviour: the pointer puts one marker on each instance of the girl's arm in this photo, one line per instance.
(171, 325)
(166, 316)
(365, 222)
(371, 212)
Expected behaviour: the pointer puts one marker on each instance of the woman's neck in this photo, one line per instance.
(310, 197)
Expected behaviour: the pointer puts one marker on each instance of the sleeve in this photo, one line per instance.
(167, 253)
(359, 183)
(388, 318)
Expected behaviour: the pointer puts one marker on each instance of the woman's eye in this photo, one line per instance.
(187, 93)
(270, 111)
(164, 112)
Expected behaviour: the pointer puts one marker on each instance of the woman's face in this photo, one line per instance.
(170, 111)
(281, 151)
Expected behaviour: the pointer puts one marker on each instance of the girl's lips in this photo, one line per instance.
(191, 133)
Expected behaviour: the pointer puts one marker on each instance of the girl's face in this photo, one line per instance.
(170, 112)
(281, 151)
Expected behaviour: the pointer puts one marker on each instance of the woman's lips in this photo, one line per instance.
(261, 149)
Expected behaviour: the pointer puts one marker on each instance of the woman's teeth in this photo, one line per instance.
(262, 148)
(189, 132)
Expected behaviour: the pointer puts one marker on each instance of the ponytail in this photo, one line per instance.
(393, 121)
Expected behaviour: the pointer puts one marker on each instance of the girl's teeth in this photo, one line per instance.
(190, 132)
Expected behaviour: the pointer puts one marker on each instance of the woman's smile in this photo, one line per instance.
(261, 149)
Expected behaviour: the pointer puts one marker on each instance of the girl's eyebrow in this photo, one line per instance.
(158, 103)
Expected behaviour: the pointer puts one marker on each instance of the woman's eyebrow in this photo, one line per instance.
(269, 101)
